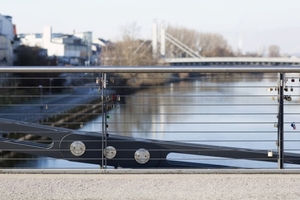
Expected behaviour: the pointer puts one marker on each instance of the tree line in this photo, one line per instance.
(129, 50)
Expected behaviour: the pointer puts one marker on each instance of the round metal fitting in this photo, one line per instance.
(142, 156)
(77, 148)
(110, 152)
(289, 98)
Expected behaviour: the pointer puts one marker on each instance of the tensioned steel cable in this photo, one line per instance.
(208, 104)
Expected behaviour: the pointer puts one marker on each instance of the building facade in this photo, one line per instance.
(70, 49)
(7, 36)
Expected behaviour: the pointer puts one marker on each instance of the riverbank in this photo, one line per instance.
(149, 186)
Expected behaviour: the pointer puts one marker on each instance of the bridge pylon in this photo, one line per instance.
(162, 37)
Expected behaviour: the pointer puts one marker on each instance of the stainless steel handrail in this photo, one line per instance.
(151, 69)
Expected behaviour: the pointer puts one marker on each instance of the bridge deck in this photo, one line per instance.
(231, 61)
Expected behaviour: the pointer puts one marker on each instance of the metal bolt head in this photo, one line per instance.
(270, 153)
(273, 98)
(77, 148)
(110, 152)
(142, 156)
(112, 79)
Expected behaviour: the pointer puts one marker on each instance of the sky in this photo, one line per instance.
(252, 25)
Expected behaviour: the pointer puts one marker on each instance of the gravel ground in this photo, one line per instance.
(149, 186)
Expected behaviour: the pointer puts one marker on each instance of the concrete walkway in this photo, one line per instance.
(149, 186)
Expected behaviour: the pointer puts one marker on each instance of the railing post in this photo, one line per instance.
(280, 139)
(104, 120)
(103, 115)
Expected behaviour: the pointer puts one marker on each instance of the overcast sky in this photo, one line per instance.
(252, 23)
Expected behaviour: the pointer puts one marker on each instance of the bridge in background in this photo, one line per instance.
(194, 58)
(231, 61)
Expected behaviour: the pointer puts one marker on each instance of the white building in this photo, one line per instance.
(7, 35)
(70, 49)
(31, 40)
(97, 47)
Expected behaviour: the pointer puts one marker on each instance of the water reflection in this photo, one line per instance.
(212, 110)
(198, 111)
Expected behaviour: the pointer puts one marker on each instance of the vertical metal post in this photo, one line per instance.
(50, 80)
(103, 115)
(281, 122)
(104, 120)
(41, 97)
(162, 41)
(154, 40)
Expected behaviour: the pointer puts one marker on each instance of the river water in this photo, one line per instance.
(233, 111)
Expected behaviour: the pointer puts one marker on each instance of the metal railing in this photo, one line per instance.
(150, 117)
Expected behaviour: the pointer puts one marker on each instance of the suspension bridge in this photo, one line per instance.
(194, 58)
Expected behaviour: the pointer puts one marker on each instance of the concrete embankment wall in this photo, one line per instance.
(77, 116)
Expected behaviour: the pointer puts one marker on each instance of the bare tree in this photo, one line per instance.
(130, 32)
(206, 44)
(274, 51)
(130, 50)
